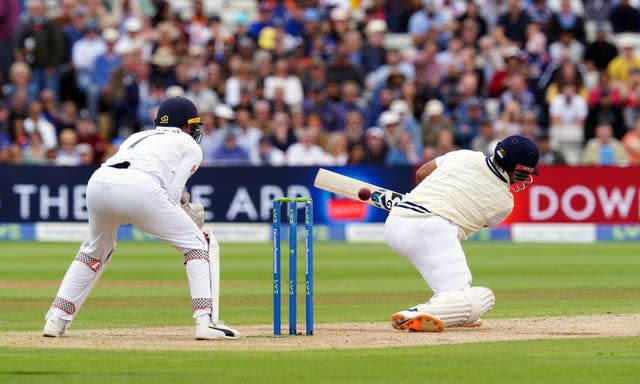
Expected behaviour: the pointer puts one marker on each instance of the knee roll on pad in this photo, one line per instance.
(481, 299)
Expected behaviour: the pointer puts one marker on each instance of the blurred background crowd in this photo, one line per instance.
(323, 82)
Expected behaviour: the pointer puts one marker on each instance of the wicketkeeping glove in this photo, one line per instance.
(196, 212)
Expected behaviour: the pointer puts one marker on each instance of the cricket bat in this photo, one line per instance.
(356, 189)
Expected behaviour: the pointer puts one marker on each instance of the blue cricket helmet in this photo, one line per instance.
(517, 154)
(180, 112)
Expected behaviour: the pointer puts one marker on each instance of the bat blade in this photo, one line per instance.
(348, 187)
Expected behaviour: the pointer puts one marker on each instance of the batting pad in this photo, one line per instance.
(459, 307)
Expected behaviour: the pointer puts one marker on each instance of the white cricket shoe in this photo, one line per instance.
(415, 321)
(55, 326)
(215, 330)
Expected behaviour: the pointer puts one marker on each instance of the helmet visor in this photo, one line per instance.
(195, 129)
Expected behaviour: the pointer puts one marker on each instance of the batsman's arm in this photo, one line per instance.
(425, 170)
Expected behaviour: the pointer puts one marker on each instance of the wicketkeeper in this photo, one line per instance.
(143, 185)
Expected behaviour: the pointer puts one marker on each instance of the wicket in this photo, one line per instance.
(292, 209)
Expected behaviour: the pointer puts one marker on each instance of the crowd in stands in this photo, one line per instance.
(323, 82)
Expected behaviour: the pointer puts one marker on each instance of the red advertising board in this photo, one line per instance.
(603, 195)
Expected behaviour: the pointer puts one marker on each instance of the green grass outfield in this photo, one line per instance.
(145, 285)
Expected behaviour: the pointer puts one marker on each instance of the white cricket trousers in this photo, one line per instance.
(127, 196)
(431, 243)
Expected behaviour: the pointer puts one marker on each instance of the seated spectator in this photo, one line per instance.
(35, 121)
(548, 155)
(408, 122)
(486, 135)
(599, 53)
(204, 98)
(604, 149)
(20, 81)
(305, 151)
(375, 148)
(248, 135)
(567, 73)
(468, 127)
(283, 78)
(67, 153)
(567, 114)
(512, 25)
(230, 153)
(85, 151)
(567, 47)
(337, 149)
(624, 17)
(34, 152)
(389, 122)
(268, 154)
(433, 121)
(445, 143)
(620, 66)
(88, 134)
(604, 112)
(615, 93)
(564, 20)
(631, 143)
(404, 152)
(373, 51)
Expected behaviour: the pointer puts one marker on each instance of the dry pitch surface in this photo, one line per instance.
(335, 336)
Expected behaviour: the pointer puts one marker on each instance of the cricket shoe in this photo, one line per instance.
(215, 330)
(55, 326)
(415, 321)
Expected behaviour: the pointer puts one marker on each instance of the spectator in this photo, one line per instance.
(540, 13)
(305, 151)
(10, 16)
(67, 153)
(566, 47)
(268, 154)
(512, 25)
(395, 63)
(122, 96)
(605, 85)
(35, 121)
(422, 24)
(40, 43)
(434, 121)
(604, 149)
(282, 78)
(84, 52)
(354, 128)
(5, 121)
(599, 53)
(408, 122)
(248, 136)
(230, 153)
(87, 134)
(604, 112)
(204, 98)
(620, 66)
(282, 136)
(375, 148)
(512, 64)
(102, 67)
(624, 18)
(34, 152)
(20, 81)
(341, 70)
(631, 143)
(568, 112)
(472, 13)
(566, 20)
(481, 142)
(85, 151)
(597, 12)
(404, 152)
(337, 149)
(329, 111)
(242, 78)
(548, 155)
(468, 126)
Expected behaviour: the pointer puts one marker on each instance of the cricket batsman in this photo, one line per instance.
(143, 185)
(456, 194)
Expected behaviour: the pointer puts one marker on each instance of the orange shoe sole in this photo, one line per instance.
(420, 323)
